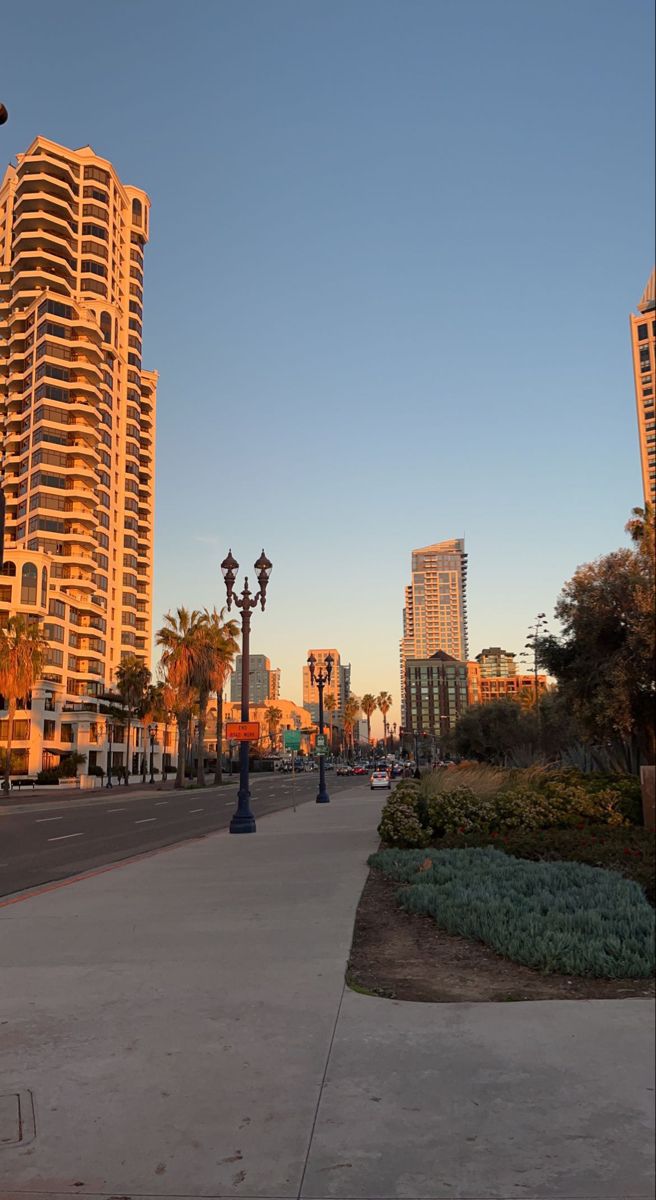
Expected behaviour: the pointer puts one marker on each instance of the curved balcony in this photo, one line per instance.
(39, 163)
(41, 241)
(56, 225)
(43, 181)
(35, 199)
(33, 282)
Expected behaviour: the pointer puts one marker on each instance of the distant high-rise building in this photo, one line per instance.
(495, 662)
(259, 685)
(643, 341)
(338, 687)
(274, 684)
(435, 612)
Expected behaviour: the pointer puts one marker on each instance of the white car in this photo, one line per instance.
(380, 779)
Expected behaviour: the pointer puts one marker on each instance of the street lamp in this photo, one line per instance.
(532, 644)
(110, 736)
(152, 734)
(243, 820)
(321, 678)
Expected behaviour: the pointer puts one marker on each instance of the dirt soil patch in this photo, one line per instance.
(405, 956)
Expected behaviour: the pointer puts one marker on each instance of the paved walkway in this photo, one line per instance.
(182, 1026)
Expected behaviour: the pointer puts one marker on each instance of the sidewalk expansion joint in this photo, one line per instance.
(320, 1096)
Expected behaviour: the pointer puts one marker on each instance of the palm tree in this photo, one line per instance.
(22, 654)
(351, 714)
(184, 651)
(132, 681)
(224, 646)
(330, 704)
(368, 706)
(273, 717)
(640, 527)
(153, 709)
(384, 702)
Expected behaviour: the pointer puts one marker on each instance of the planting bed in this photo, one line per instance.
(406, 957)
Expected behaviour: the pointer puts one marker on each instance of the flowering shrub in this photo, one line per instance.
(528, 801)
(400, 824)
(553, 916)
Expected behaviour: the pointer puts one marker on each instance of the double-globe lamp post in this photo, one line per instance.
(320, 678)
(243, 820)
(152, 734)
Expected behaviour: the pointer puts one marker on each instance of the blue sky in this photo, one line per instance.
(394, 249)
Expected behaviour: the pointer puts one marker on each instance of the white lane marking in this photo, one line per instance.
(193, 810)
(43, 820)
(145, 820)
(108, 810)
(63, 836)
(159, 803)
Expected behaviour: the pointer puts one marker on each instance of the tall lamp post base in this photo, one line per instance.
(323, 798)
(243, 824)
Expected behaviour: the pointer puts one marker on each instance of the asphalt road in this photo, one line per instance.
(52, 841)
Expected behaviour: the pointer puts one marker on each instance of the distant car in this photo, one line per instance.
(359, 770)
(380, 779)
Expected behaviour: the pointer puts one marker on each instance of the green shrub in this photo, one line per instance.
(50, 776)
(627, 850)
(400, 824)
(557, 917)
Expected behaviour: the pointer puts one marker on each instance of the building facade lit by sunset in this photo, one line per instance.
(483, 687)
(435, 612)
(78, 432)
(643, 345)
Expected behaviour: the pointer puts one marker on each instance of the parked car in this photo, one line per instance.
(380, 779)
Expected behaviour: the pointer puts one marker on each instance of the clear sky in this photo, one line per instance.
(394, 249)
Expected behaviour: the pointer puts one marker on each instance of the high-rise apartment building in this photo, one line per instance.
(77, 413)
(496, 662)
(435, 693)
(263, 683)
(643, 343)
(435, 612)
(338, 687)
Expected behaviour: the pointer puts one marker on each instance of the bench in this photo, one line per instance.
(20, 783)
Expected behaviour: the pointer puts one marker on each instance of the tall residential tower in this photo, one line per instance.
(77, 416)
(435, 612)
(643, 344)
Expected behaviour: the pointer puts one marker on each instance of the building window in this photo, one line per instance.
(44, 587)
(29, 584)
(136, 212)
(9, 568)
(642, 333)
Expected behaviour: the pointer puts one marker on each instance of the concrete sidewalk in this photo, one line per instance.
(182, 1026)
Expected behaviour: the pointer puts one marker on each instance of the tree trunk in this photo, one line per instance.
(202, 722)
(218, 770)
(127, 751)
(182, 740)
(11, 709)
(368, 731)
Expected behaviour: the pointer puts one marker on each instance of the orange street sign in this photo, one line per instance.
(242, 731)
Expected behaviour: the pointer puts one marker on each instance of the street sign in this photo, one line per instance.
(242, 731)
(321, 747)
(292, 739)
